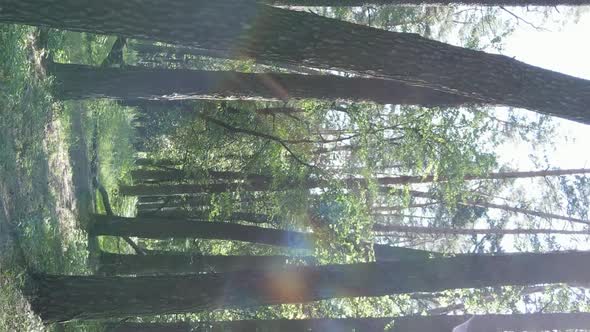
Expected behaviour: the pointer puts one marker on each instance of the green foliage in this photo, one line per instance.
(115, 136)
(308, 141)
(76, 47)
(35, 193)
(473, 27)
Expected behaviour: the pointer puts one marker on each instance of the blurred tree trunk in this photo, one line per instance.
(266, 33)
(358, 3)
(148, 327)
(182, 263)
(80, 81)
(441, 323)
(62, 298)
(165, 228)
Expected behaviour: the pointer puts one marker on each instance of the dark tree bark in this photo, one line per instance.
(264, 32)
(148, 327)
(261, 183)
(152, 200)
(152, 53)
(355, 3)
(80, 81)
(181, 263)
(189, 189)
(156, 162)
(177, 174)
(62, 298)
(155, 203)
(387, 253)
(163, 228)
(255, 218)
(440, 323)
(279, 325)
(164, 175)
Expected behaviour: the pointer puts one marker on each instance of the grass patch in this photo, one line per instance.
(34, 174)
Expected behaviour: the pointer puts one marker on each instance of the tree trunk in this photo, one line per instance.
(483, 204)
(62, 298)
(156, 162)
(152, 51)
(79, 82)
(387, 253)
(472, 231)
(189, 189)
(357, 3)
(440, 323)
(267, 33)
(484, 323)
(255, 218)
(163, 228)
(528, 212)
(489, 176)
(153, 204)
(148, 327)
(263, 183)
(176, 174)
(179, 263)
(164, 175)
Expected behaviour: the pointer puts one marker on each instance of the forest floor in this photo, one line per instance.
(46, 191)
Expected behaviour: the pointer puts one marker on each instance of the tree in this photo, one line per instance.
(164, 228)
(470, 231)
(181, 263)
(79, 81)
(148, 327)
(355, 3)
(439, 323)
(484, 204)
(151, 54)
(250, 217)
(62, 298)
(387, 253)
(263, 32)
(265, 183)
(174, 174)
(177, 174)
(162, 163)
(155, 203)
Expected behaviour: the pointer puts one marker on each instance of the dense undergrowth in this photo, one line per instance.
(41, 217)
